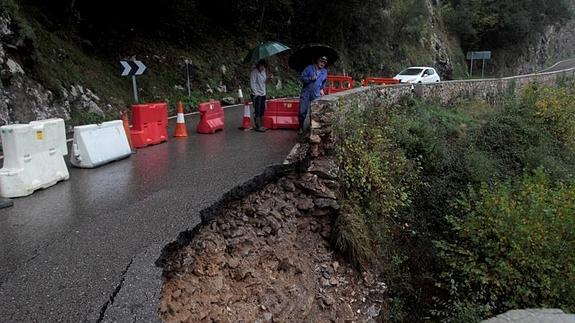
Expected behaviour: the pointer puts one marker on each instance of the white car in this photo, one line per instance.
(418, 74)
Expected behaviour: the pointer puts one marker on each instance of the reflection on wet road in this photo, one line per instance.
(563, 65)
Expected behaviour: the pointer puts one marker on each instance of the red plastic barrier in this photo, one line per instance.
(212, 117)
(338, 83)
(281, 113)
(378, 81)
(150, 123)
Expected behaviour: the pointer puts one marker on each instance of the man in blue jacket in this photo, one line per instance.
(313, 78)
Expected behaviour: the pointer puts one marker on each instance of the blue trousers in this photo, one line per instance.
(305, 99)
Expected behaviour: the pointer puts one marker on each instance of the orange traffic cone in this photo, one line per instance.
(181, 130)
(247, 119)
(126, 124)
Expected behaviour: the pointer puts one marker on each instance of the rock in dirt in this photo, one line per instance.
(305, 204)
(323, 203)
(373, 311)
(324, 167)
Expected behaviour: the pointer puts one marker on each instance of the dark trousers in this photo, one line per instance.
(259, 105)
(305, 99)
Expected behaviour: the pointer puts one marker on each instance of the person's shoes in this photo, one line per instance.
(259, 125)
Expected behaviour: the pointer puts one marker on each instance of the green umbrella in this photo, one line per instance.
(265, 50)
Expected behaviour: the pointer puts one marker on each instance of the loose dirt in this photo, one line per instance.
(267, 258)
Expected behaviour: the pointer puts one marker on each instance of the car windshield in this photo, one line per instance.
(411, 71)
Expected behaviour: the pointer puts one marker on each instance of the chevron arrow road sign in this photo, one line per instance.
(131, 68)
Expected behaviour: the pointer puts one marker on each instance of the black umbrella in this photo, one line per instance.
(309, 54)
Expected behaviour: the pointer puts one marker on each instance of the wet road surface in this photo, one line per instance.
(64, 251)
(563, 65)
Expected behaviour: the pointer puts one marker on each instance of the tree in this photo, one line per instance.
(501, 23)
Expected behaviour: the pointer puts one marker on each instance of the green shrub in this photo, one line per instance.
(192, 102)
(376, 179)
(514, 247)
(403, 170)
(555, 109)
(290, 88)
(506, 138)
(79, 118)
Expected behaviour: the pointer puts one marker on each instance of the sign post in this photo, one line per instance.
(133, 68)
(471, 66)
(188, 62)
(484, 55)
(135, 87)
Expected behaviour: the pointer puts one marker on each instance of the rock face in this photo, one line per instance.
(23, 99)
(438, 43)
(533, 316)
(267, 258)
(81, 99)
(556, 43)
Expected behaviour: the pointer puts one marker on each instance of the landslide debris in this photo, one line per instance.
(267, 258)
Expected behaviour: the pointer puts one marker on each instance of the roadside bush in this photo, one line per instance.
(403, 170)
(442, 139)
(191, 102)
(514, 247)
(555, 109)
(376, 179)
(79, 118)
(507, 138)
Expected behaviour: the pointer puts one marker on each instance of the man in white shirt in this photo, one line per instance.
(258, 79)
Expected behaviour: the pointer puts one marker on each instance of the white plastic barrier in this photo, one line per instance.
(33, 157)
(95, 145)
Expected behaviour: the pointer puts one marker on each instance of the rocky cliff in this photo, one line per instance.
(555, 44)
(22, 98)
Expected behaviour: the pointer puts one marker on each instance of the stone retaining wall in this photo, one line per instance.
(325, 111)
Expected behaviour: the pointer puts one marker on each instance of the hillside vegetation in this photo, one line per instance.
(466, 211)
(70, 42)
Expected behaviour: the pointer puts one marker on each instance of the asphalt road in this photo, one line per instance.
(566, 64)
(66, 251)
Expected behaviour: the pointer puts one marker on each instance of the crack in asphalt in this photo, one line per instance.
(110, 301)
